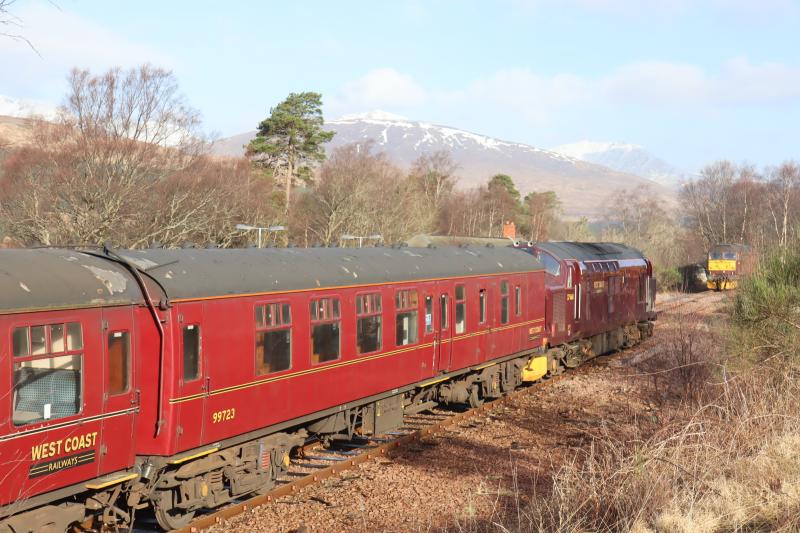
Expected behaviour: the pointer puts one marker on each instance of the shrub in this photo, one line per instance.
(767, 307)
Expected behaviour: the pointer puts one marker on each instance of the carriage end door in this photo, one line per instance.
(191, 368)
(120, 395)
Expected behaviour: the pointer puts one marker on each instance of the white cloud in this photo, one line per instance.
(542, 99)
(737, 82)
(378, 89)
(656, 82)
(531, 94)
(772, 82)
(63, 40)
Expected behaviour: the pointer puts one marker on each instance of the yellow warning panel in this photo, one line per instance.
(535, 369)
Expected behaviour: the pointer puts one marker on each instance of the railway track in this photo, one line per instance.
(315, 464)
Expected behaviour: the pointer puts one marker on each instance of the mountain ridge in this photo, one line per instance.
(479, 157)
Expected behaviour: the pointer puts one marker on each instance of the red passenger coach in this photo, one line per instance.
(182, 379)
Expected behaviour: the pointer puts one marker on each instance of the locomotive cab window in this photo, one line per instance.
(406, 323)
(551, 265)
(119, 362)
(273, 338)
(325, 330)
(191, 352)
(461, 309)
(368, 327)
(48, 372)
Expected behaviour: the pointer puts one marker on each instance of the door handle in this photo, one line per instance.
(136, 398)
(207, 384)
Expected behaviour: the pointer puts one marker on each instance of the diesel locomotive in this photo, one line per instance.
(179, 380)
(727, 263)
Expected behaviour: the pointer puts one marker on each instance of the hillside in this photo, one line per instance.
(14, 131)
(583, 187)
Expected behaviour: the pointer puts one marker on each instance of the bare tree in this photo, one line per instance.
(783, 196)
(707, 201)
(435, 176)
(359, 192)
(124, 162)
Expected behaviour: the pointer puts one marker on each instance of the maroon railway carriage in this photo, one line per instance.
(600, 297)
(181, 379)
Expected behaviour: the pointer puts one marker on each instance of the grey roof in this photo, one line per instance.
(46, 278)
(38, 279)
(199, 273)
(590, 251)
(424, 239)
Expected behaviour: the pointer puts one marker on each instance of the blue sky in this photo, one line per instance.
(692, 81)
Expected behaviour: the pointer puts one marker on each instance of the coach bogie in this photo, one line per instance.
(221, 476)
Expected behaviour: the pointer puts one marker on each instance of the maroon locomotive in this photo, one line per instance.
(599, 297)
(182, 379)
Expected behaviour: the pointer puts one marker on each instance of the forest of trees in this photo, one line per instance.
(126, 162)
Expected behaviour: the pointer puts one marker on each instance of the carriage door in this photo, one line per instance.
(486, 292)
(444, 329)
(121, 396)
(430, 334)
(192, 375)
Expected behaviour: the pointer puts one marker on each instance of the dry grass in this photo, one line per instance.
(719, 453)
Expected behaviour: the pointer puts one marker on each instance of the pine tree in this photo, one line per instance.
(291, 139)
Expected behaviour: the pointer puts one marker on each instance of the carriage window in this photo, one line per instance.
(46, 386)
(191, 352)
(429, 314)
(21, 342)
(482, 303)
(273, 338)
(518, 300)
(443, 312)
(325, 331)
(57, 343)
(406, 325)
(504, 302)
(119, 350)
(368, 310)
(74, 336)
(461, 310)
(38, 341)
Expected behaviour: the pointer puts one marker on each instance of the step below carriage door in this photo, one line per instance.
(191, 366)
(121, 395)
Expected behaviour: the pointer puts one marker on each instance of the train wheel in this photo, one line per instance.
(170, 519)
(475, 397)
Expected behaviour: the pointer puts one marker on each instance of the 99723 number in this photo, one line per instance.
(224, 415)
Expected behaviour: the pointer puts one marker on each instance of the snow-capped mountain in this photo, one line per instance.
(583, 187)
(624, 157)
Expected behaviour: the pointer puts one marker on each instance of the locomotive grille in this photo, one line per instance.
(559, 311)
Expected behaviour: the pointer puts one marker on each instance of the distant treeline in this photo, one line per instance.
(126, 162)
